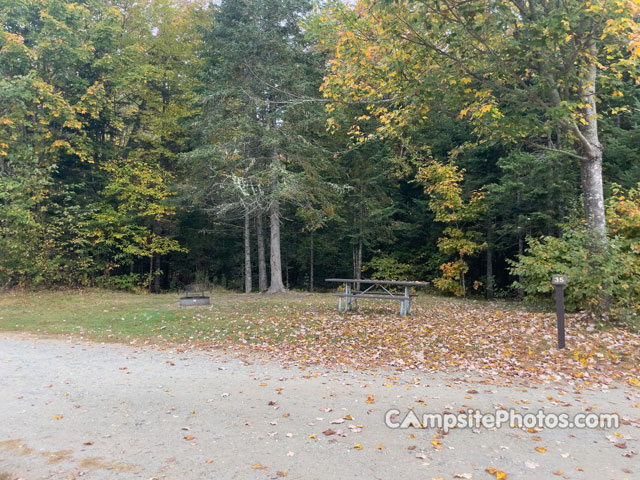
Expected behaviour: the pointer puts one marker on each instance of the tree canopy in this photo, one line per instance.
(147, 145)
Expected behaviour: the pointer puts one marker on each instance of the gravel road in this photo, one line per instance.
(74, 409)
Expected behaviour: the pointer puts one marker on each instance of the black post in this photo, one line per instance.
(559, 281)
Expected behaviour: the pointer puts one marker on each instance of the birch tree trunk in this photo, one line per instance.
(591, 165)
(275, 260)
(262, 266)
(588, 144)
(247, 253)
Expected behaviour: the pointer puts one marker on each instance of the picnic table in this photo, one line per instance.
(378, 289)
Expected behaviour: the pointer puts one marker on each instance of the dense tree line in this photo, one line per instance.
(267, 144)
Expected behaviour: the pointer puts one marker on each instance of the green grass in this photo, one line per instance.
(116, 316)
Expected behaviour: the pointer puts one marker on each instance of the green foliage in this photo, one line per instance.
(385, 267)
(604, 281)
(124, 125)
(130, 282)
(614, 273)
(443, 184)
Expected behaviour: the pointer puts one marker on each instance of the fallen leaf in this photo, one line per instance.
(357, 446)
(541, 449)
(500, 475)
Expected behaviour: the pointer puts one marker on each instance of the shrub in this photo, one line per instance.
(602, 280)
(131, 282)
(385, 267)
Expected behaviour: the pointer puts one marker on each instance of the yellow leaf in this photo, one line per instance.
(541, 449)
(634, 381)
(357, 446)
(500, 475)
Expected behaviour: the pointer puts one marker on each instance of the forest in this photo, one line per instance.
(265, 145)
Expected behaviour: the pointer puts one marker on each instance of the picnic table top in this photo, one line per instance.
(378, 282)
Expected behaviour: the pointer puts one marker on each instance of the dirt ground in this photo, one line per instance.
(74, 409)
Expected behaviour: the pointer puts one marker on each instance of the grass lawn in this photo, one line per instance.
(117, 316)
(494, 339)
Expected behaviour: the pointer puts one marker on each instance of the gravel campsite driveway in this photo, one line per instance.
(74, 409)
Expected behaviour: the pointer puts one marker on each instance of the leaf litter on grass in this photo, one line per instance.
(443, 336)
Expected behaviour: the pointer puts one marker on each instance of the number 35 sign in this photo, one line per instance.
(559, 281)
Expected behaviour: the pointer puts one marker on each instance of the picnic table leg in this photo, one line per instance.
(408, 300)
(404, 305)
(347, 299)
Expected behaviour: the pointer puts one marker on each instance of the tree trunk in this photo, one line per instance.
(311, 264)
(262, 266)
(587, 142)
(520, 243)
(247, 253)
(156, 276)
(520, 254)
(275, 260)
(357, 263)
(593, 197)
(150, 273)
(490, 279)
(591, 166)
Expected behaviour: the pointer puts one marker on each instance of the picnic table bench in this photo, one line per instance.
(377, 290)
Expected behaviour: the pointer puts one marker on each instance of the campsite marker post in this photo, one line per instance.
(559, 281)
